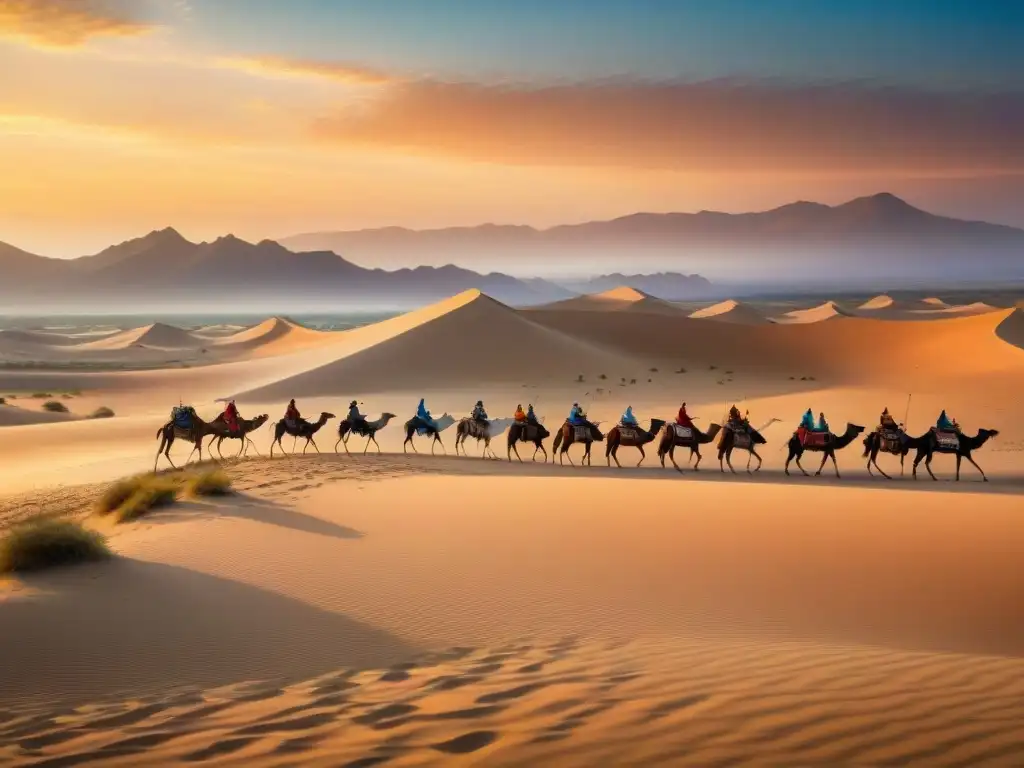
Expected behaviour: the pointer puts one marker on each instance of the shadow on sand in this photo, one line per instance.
(129, 627)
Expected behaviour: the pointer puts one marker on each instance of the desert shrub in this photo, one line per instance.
(55, 406)
(3, 401)
(141, 493)
(41, 395)
(46, 542)
(602, 377)
(579, 378)
(101, 413)
(214, 482)
(653, 370)
(681, 370)
(156, 493)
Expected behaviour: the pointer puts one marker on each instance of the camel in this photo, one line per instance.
(828, 445)
(440, 425)
(573, 433)
(302, 429)
(467, 428)
(928, 444)
(525, 432)
(369, 430)
(245, 427)
(195, 435)
(874, 444)
(632, 437)
(670, 440)
(745, 440)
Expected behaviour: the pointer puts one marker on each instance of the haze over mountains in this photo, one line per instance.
(878, 241)
(879, 237)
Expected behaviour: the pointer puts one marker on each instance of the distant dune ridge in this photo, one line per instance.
(817, 314)
(730, 311)
(622, 298)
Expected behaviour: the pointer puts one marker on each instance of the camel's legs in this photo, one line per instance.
(874, 460)
(750, 456)
(642, 455)
(928, 466)
(757, 456)
(311, 440)
(611, 455)
(835, 463)
(587, 455)
(983, 475)
(565, 453)
(540, 447)
(672, 458)
(728, 460)
(249, 442)
(958, 459)
(695, 452)
(824, 458)
(797, 457)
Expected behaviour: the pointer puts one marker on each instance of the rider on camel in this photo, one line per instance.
(628, 419)
(424, 415)
(520, 414)
(684, 420)
(945, 424)
(577, 417)
(822, 425)
(887, 422)
(531, 417)
(356, 420)
(807, 421)
(291, 415)
(231, 416)
(736, 421)
(479, 414)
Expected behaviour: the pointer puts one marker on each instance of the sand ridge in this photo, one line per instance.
(731, 311)
(623, 298)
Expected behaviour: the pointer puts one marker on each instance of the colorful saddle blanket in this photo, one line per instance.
(581, 433)
(628, 432)
(741, 440)
(809, 439)
(683, 433)
(949, 441)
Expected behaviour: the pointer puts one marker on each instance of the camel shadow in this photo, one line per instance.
(128, 627)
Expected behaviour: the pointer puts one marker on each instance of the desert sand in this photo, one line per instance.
(731, 311)
(415, 609)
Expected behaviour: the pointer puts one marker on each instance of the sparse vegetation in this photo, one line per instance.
(102, 413)
(41, 395)
(681, 370)
(3, 401)
(159, 492)
(602, 377)
(712, 367)
(579, 379)
(55, 406)
(47, 542)
(214, 482)
(632, 381)
(653, 370)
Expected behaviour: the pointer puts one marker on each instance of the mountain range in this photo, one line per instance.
(880, 235)
(877, 239)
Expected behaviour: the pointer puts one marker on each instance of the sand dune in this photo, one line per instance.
(1011, 329)
(842, 348)
(621, 299)
(282, 623)
(826, 311)
(157, 335)
(273, 336)
(731, 311)
(468, 339)
(934, 301)
(882, 301)
(11, 415)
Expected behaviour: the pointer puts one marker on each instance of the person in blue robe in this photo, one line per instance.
(822, 425)
(628, 419)
(576, 416)
(807, 422)
(945, 424)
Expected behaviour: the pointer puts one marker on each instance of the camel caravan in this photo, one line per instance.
(524, 427)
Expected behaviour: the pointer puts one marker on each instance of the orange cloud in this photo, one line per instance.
(276, 66)
(65, 23)
(710, 126)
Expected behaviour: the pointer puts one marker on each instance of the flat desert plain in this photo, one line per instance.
(415, 609)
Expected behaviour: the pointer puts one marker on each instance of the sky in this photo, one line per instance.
(265, 118)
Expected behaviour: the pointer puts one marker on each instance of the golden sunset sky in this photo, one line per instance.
(266, 119)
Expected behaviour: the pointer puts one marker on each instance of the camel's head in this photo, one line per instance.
(327, 416)
(988, 432)
(388, 416)
(260, 420)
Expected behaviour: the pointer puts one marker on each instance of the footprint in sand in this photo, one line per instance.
(467, 742)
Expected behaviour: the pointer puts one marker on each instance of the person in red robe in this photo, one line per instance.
(231, 416)
(683, 419)
(292, 413)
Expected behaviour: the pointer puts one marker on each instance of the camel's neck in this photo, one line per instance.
(979, 439)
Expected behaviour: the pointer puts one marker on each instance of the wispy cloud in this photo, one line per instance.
(66, 23)
(277, 66)
(709, 126)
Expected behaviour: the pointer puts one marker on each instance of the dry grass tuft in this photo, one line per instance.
(214, 482)
(102, 413)
(55, 406)
(48, 542)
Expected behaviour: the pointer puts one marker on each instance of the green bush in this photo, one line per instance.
(55, 406)
(46, 542)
